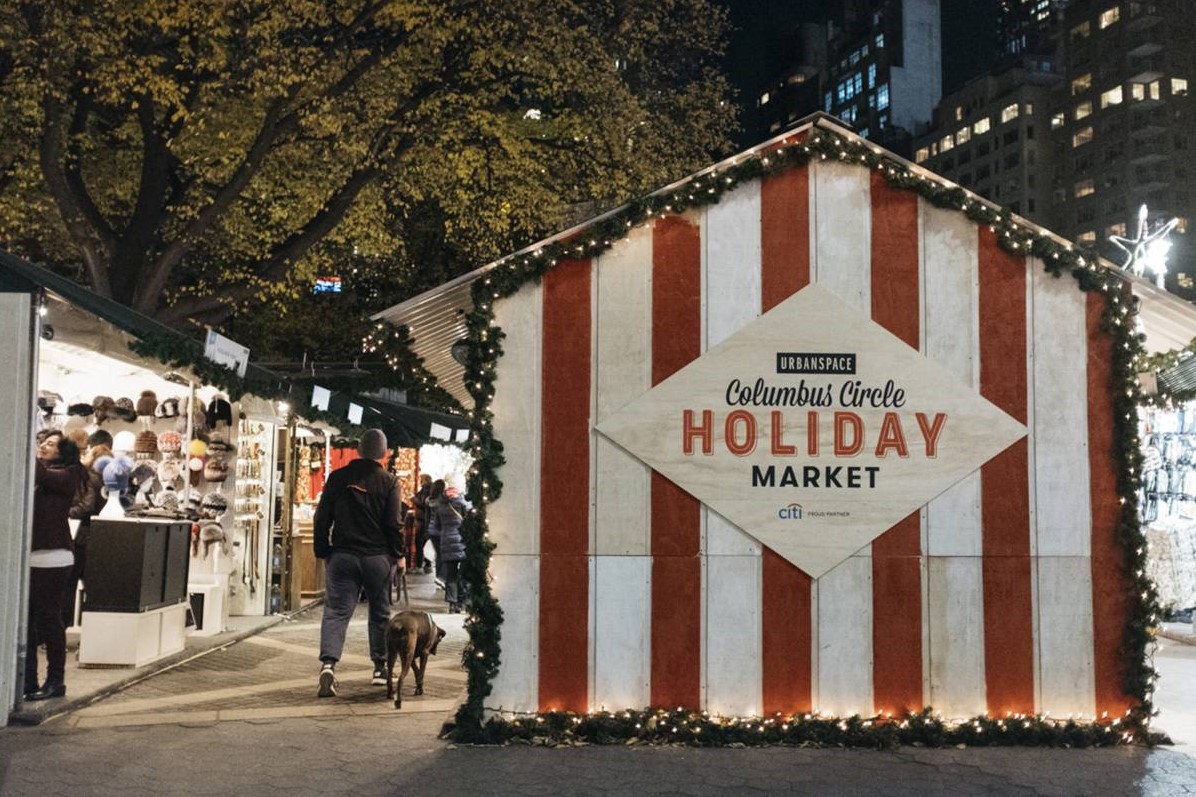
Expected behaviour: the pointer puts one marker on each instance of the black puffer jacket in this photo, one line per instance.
(360, 511)
(444, 523)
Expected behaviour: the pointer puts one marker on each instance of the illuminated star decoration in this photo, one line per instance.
(1148, 251)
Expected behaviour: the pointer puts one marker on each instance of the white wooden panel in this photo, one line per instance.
(516, 585)
(733, 649)
(844, 672)
(515, 518)
(1064, 517)
(731, 298)
(1065, 635)
(842, 259)
(951, 321)
(622, 632)
(1033, 264)
(622, 372)
(17, 354)
(956, 632)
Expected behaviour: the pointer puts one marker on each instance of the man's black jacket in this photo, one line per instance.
(360, 512)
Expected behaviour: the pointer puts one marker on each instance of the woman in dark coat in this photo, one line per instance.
(446, 510)
(57, 481)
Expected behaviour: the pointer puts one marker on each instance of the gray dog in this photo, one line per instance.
(410, 637)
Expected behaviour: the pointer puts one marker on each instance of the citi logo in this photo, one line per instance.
(790, 512)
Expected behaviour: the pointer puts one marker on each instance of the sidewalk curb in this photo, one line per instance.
(1176, 636)
(28, 717)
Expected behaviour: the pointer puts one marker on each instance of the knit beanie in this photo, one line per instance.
(372, 444)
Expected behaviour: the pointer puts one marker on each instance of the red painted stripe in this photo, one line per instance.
(565, 467)
(675, 515)
(896, 554)
(787, 634)
(1005, 486)
(1110, 591)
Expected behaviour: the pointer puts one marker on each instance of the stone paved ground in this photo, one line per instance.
(245, 720)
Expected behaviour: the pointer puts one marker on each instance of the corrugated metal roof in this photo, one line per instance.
(436, 317)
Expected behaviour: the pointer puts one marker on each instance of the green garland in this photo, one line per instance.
(1161, 363)
(482, 654)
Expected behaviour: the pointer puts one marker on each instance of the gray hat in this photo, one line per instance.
(372, 444)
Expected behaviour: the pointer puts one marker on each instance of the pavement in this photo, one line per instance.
(245, 717)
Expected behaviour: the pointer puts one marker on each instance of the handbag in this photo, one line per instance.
(429, 551)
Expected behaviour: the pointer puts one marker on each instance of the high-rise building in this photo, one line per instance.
(794, 93)
(1125, 123)
(1027, 26)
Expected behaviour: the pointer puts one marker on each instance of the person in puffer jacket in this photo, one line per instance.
(446, 509)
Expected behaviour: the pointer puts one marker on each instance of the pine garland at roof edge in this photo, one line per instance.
(482, 654)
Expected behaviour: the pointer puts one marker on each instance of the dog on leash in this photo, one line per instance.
(410, 637)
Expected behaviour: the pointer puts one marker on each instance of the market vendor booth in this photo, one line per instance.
(811, 432)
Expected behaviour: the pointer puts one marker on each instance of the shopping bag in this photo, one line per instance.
(429, 551)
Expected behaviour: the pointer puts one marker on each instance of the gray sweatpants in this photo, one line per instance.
(344, 577)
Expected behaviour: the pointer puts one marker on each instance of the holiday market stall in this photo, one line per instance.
(795, 447)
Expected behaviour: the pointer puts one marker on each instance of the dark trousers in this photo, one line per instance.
(452, 582)
(345, 576)
(421, 537)
(47, 588)
(72, 585)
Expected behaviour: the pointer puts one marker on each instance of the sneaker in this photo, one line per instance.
(379, 677)
(327, 682)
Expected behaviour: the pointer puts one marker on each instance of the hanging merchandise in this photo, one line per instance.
(169, 408)
(170, 442)
(251, 511)
(1167, 504)
(102, 406)
(115, 472)
(146, 445)
(220, 413)
(146, 406)
(125, 410)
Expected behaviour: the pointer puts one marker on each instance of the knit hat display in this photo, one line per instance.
(170, 442)
(219, 411)
(213, 505)
(168, 499)
(147, 443)
(124, 409)
(169, 471)
(169, 408)
(215, 470)
(372, 444)
(124, 442)
(103, 407)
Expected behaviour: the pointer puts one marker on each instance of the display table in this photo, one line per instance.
(131, 640)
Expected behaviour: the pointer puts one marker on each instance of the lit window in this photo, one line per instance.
(1179, 85)
(1057, 121)
(1111, 97)
(982, 126)
(882, 97)
(864, 133)
(958, 114)
(764, 98)
(1083, 110)
(963, 136)
(855, 58)
(1029, 109)
(1154, 90)
(1138, 91)
(1107, 18)
(1009, 113)
(828, 102)
(871, 76)
(1182, 226)
(946, 143)
(858, 81)
(1081, 31)
(880, 41)
(921, 155)
(1116, 229)
(1081, 84)
(798, 77)
(1087, 237)
(1084, 188)
(1081, 137)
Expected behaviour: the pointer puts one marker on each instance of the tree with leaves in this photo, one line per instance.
(193, 158)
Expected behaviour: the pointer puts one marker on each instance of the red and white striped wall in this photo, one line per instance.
(620, 590)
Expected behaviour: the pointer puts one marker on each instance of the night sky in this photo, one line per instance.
(754, 55)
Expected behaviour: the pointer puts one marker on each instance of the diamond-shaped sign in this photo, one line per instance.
(813, 429)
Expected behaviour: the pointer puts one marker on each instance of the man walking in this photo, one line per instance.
(359, 534)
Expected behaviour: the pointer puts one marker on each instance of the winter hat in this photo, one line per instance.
(124, 409)
(372, 444)
(213, 505)
(170, 442)
(47, 400)
(198, 419)
(210, 532)
(219, 411)
(81, 410)
(217, 446)
(143, 473)
(197, 448)
(147, 403)
(102, 406)
(169, 408)
(147, 443)
(115, 472)
(215, 470)
(123, 442)
(168, 498)
(169, 471)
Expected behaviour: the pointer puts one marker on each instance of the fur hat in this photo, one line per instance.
(213, 505)
(81, 410)
(147, 404)
(215, 470)
(170, 442)
(147, 443)
(169, 408)
(124, 442)
(145, 472)
(124, 409)
(210, 532)
(219, 411)
(197, 448)
(103, 407)
(169, 471)
(217, 446)
(198, 419)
